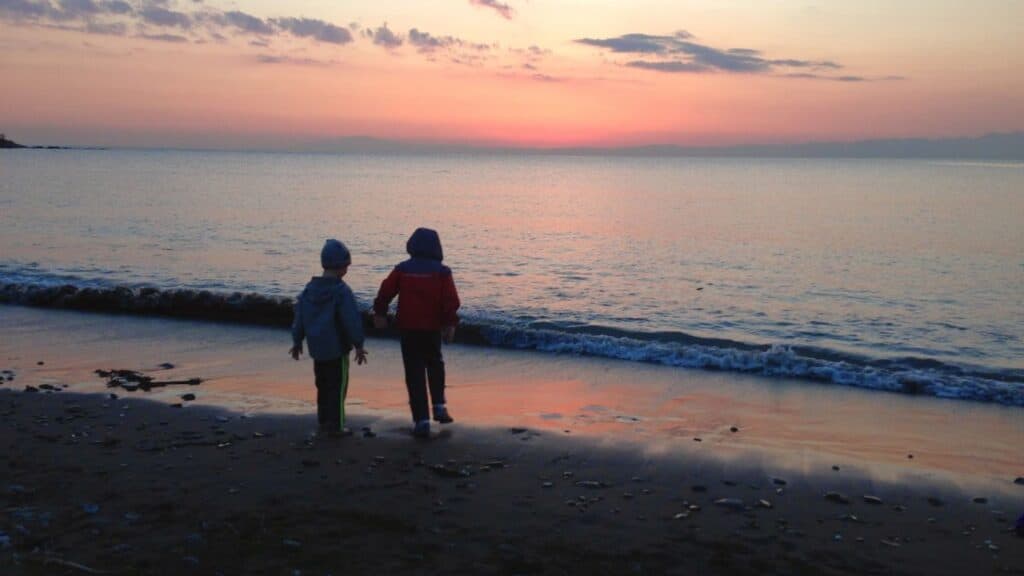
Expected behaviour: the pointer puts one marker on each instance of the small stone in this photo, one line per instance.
(910, 456)
(837, 498)
(627, 495)
(698, 440)
(836, 468)
(40, 363)
(188, 397)
(699, 488)
(31, 389)
(764, 504)
(890, 543)
(681, 515)
(166, 366)
(694, 508)
(734, 429)
(592, 484)
(837, 537)
(547, 485)
(223, 419)
(1019, 481)
(778, 481)
(872, 499)
(980, 500)
(730, 503)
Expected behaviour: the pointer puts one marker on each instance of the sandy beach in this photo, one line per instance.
(556, 465)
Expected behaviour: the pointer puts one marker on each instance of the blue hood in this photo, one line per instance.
(425, 243)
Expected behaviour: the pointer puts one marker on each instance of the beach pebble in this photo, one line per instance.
(778, 481)
(166, 366)
(872, 499)
(592, 484)
(681, 515)
(188, 397)
(31, 389)
(1019, 481)
(223, 419)
(836, 468)
(837, 498)
(730, 503)
(547, 485)
(765, 504)
(40, 363)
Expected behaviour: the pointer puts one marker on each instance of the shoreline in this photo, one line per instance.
(556, 465)
(134, 486)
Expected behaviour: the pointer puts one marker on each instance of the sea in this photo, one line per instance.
(896, 275)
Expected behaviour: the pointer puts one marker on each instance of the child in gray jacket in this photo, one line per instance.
(327, 317)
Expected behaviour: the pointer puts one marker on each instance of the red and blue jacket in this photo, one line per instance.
(427, 298)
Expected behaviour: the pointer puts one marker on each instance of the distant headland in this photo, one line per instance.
(10, 144)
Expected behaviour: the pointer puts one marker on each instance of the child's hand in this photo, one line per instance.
(380, 322)
(295, 351)
(360, 356)
(448, 334)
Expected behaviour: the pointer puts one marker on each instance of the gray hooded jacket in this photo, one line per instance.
(327, 317)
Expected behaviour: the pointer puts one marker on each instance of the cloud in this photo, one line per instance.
(315, 29)
(383, 36)
(679, 53)
(502, 8)
(163, 17)
(172, 38)
(248, 23)
(426, 42)
(279, 59)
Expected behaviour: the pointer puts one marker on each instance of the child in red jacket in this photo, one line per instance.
(427, 305)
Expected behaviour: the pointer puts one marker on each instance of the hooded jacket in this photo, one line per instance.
(327, 317)
(427, 298)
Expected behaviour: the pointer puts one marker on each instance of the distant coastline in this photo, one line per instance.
(7, 144)
(996, 146)
(1005, 146)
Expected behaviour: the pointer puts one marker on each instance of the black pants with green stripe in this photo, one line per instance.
(331, 388)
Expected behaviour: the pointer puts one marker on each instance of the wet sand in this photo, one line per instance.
(556, 465)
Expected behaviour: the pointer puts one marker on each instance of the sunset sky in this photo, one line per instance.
(259, 74)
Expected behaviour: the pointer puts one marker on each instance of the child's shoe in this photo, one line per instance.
(441, 414)
(421, 429)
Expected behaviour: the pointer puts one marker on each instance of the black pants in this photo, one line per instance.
(331, 384)
(421, 355)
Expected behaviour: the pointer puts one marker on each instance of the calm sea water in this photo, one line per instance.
(899, 275)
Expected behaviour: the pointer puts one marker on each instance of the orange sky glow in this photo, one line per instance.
(261, 74)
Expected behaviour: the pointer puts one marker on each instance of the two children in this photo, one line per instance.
(327, 316)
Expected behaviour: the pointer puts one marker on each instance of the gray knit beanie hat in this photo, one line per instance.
(334, 255)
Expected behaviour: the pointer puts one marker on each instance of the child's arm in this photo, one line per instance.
(387, 292)
(352, 323)
(298, 330)
(449, 301)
